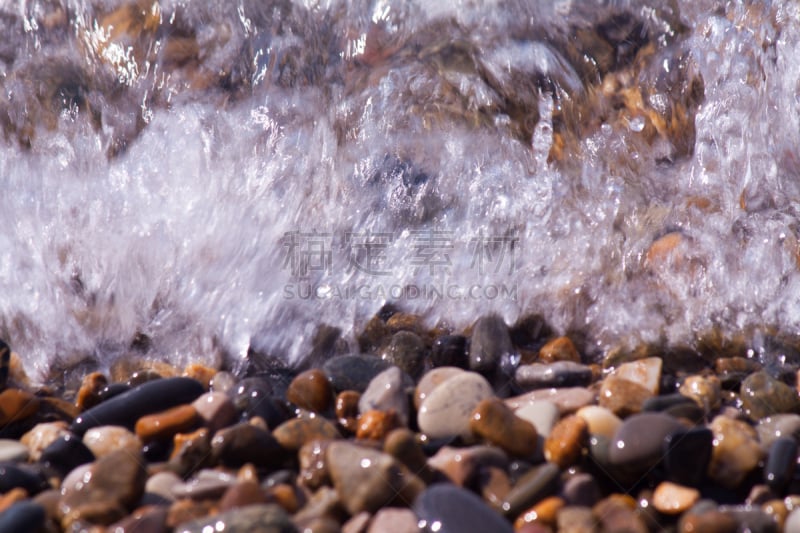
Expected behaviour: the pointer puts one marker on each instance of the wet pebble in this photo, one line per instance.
(394, 520)
(167, 423)
(43, 435)
(532, 487)
(126, 408)
(736, 451)
(254, 397)
(781, 464)
(489, 343)
(557, 374)
(776, 426)
(244, 443)
(581, 490)
(462, 465)
(687, 454)
(445, 508)
(568, 440)
(386, 392)
(376, 425)
(353, 372)
(762, 396)
(559, 349)
(449, 350)
(644, 372)
(205, 484)
(17, 405)
(622, 396)
(65, 453)
(568, 399)
(407, 352)
(14, 451)
(543, 414)
(705, 390)
(497, 423)
(707, 520)
(600, 420)
(162, 484)
(216, 410)
(639, 441)
(294, 433)
(447, 409)
(23, 516)
(21, 476)
(259, 517)
(103, 440)
(431, 380)
(311, 390)
(673, 499)
(89, 393)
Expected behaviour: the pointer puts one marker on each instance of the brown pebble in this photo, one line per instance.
(187, 509)
(286, 496)
(567, 441)
(17, 405)
(622, 396)
(202, 373)
(712, 521)
(311, 390)
(559, 349)
(313, 465)
(241, 494)
(89, 393)
(294, 433)
(494, 485)
(494, 421)
(673, 499)
(402, 444)
(167, 423)
(618, 513)
(544, 512)
(347, 410)
(375, 425)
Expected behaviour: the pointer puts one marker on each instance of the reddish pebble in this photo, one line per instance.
(566, 442)
(375, 425)
(493, 420)
(17, 405)
(347, 410)
(167, 423)
(311, 390)
(559, 349)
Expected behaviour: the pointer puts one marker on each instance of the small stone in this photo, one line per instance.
(347, 410)
(687, 454)
(581, 490)
(12, 450)
(162, 484)
(183, 511)
(763, 396)
(285, 495)
(66, 453)
(402, 444)
(639, 441)
(543, 512)
(200, 373)
(705, 390)
(736, 451)
(204, 485)
(367, 480)
(575, 519)
(494, 485)
(152, 519)
(104, 440)
(17, 405)
(543, 414)
(386, 392)
(450, 350)
(243, 443)
(375, 425)
(673, 499)
(223, 382)
(406, 351)
(313, 465)
(622, 396)
(559, 349)
(532, 487)
(126, 408)
(599, 420)
(449, 509)
(311, 390)
(558, 374)
(89, 393)
(260, 517)
(618, 514)
(645, 372)
(431, 380)
(781, 464)
(166, 424)
(568, 400)
(43, 435)
(394, 520)
(353, 372)
(447, 409)
(495, 422)
(567, 441)
(489, 343)
(216, 410)
(23, 516)
(292, 434)
(191, 451)
(114, 484)
(461, 465)
(254, 397)
(776, 426)
(711, 521)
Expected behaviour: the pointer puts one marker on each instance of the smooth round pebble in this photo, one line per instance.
(687, 454)
(311, 390)
(543, 414)
(294, 433)
(599, 420)
(407, 352)
(762, 396)
(386, 392)
(639, 440)
(447, 409)
(104, 440)
(532, 487)
(489, 343)
(445, 508)
(162, 484)
(433, 379)
(497, 423)
(164, 425)
(673, 499)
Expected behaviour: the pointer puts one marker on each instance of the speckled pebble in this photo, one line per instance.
(104, 440)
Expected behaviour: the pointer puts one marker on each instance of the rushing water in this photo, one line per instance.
(218, 176)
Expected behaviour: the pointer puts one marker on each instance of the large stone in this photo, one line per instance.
(445, 508)
(763, 396)
(490, 342)
(497, 423)
(386, 392)
(447, 409)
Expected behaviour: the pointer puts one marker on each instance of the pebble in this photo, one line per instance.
(166, 424)
(444, 508)
(447, 410)
(150, 519)
(311, 390)
(367, 479)
(462, 465)
(353, 372)
(489, 343)
(676, 405)
(707, 521)
(201, 373)
(687, 454)
(206, 484)
(792, 524)
(23, 516)
(191, 451)
(736, 451)
(43, 435)
(618, 513)
(776, 426)
(705, 390)
(104, 440)
(567, 441)
(576, 519)
(558, 374)
(600, 420)
(559, 349)
(89, 393)
(112, 486)
(294, 433)
(497, 423)
(402, 444)
(762, 396)
(645, 372)
(386, 392)
(148, 398)
(622, 396)
(543, 513)
(568, 400)
(673, 499)
(639, 441)
(223, 382)
(216, 410)
(407, 352)
(162, 483)
(494, 485)
(781, 464)
(17, 405)
(253, 397)
(313, 466)
(431, 380)
(347, 410)
(532, 487)
(14, 451)
(376, 425)
(449, 350)
(66, 453)
(394, 520)
(260, 517)
(581, 489)
(14, 476)
(543, 414)
(244, 443)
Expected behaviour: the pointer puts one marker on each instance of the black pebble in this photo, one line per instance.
(687, 454)
(24, 516)
(781, 464)
(446, 508)
(450, 350)
(13, 476)
(66, 453)
(353, 372)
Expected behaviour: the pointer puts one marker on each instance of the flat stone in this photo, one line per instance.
(366, 479)
(386, 392)
(353, 372)
(673, 499)
(431, 380)
(103, 440)
(394, 520)
(292, 434)
(543, 414)
(166, 424)
(532, 487)
(23, 516)
(776, 426)
(406, 351)
(128, 407)
(497, 423)
(557, 374)
(763, 396)
(311, 390)
(622, 396)
(736, 451)
(66, 453)
(461, 465)
(568, 400)
(567, 441)
(781, 464)
(115, 483)
(13, 450)
(644, 372)
(489, 343)
(639, 441)
(264, 518)
(600, 420)
(559, 349)
(243, 443)
(446, 508)
(17, 405)
(447, 409)
(216, 410)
